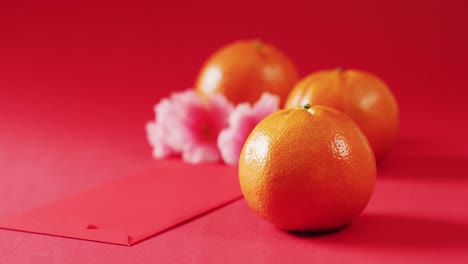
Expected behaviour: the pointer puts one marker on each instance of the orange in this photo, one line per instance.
(245, 69)
(361, 95)
(307, 169)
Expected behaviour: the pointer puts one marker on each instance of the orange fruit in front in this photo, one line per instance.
(307, 169)
(361, 95)
(245, 69)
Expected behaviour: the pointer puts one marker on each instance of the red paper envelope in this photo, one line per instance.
(137, 207)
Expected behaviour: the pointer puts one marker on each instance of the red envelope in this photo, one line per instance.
(137, 207)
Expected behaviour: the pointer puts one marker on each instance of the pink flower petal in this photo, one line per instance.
(205, 123)
(187, 124)
(241, 122)
(201, 153)
(160, 148)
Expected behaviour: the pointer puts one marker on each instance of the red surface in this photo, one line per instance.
(77, 85)
(132, 209)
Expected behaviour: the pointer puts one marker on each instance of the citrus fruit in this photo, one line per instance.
(361, 95)
(307, 169)
(245, 69)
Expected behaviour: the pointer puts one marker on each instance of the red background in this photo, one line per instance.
(78, 82)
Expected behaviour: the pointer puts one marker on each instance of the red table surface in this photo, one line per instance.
(78, 82)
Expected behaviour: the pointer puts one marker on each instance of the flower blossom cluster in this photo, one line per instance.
(203, 129)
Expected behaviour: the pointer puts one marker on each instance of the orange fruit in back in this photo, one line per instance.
(307, 170)
(245, 69)
(361, 95)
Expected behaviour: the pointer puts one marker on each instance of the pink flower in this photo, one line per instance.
(189, 125)
(241, 122)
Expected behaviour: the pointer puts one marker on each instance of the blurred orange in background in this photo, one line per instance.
(361, 95)
(243, 70)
